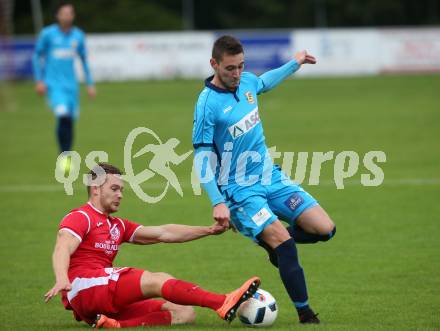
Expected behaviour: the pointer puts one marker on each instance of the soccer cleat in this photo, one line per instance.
(308, 316)
(104, 322)
(234, 299)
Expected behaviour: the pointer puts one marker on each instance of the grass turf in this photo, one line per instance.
(380, 272)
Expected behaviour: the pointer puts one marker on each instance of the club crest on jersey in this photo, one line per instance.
(249, 97)
(244, 125)
(115, 233)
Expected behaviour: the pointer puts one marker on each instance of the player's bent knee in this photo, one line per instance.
(152, 282)
(325, 225)
(274, 234)
(189, 315)
(163, 276)
(330, 234)
(183, 315)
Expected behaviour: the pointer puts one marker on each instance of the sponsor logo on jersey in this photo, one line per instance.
(107, 246)
(98, 224)
(63, 53)
(294, 201)
(249, 97)
(245, 124)
(260, 217)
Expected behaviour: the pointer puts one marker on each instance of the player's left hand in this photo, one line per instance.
(303, 58)
(57, 288)
(91, 91)
(40, 88)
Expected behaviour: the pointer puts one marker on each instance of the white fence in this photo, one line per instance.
(186, 54)
(339, 52)
(149, 55)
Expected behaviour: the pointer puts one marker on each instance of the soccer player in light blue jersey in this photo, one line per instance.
(56, 49)
(236, 171)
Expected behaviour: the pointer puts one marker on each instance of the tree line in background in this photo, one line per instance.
(172, 15)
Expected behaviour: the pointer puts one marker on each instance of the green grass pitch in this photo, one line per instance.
(380, 272)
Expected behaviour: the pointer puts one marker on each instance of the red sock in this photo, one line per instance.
(151, 319)
(189, 294)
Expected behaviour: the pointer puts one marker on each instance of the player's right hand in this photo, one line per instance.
(57, 288)
(40, 87)
(221, 215)
(303, 57)
(91, 92)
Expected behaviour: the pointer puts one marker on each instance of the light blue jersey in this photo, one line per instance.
(227, 126)
(53, 63)
(230, 122)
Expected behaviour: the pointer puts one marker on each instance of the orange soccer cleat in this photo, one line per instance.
(234, 299)
(104, 322)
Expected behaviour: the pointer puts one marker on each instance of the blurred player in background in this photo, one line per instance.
(107, 297)
(53, 62)
(227, 127)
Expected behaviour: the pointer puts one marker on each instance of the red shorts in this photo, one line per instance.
(108, 291)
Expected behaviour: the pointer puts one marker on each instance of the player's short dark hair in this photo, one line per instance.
(226, 45)
(108, 169)
(61, 4)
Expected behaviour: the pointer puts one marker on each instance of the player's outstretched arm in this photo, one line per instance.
(174, 233)
(303, 57)
(272, 78)
(65, 246)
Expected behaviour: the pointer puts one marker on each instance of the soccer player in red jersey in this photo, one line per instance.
(108, 297)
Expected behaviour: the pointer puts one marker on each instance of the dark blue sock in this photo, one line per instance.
(302, 237)
(65, 133)
(292, 274)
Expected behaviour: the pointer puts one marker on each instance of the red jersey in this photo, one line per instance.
(100, 236)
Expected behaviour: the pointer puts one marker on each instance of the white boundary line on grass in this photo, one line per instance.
(20, 188)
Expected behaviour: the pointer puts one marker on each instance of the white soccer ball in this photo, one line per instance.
(260, 310)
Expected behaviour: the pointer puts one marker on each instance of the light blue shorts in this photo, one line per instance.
(254, 207)
(63, 103)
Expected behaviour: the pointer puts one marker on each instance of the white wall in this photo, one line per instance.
(149, 55)
(339, 52)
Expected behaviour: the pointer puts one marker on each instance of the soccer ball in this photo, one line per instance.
(260, 310)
